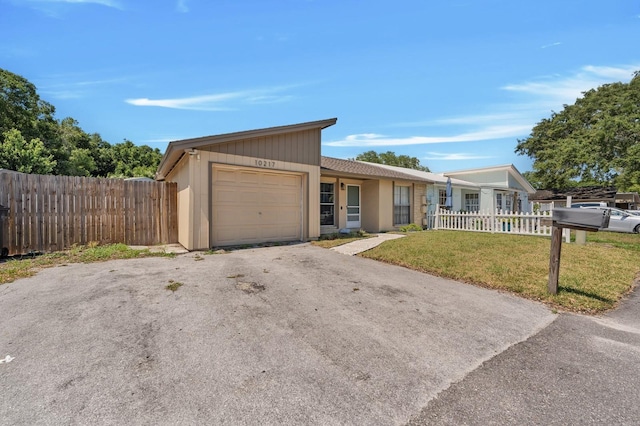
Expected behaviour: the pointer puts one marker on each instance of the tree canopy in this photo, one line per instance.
(391, 159)
(595, 141)
(32, 140)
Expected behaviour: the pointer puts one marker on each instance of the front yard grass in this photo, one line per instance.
(593, 277)
(12, 269)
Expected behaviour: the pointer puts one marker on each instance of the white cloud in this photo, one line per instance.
(217, 102)
(454, 156)
(557, 43)
(487, 133)
(533, 100)
(181, 6)
(473, 119)
(536, 100)
(557, 91)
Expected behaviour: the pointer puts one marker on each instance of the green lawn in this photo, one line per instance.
(593, 278)
(12, 269)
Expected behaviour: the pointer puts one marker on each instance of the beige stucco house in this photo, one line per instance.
(247, 187)
(273, 184)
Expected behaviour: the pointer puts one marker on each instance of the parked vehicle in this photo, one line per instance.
(620, 220)
(591, 204)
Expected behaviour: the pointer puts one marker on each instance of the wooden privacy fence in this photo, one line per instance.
(495, 222)
(49, 213)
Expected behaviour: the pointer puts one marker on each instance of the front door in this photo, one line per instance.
(353, 206)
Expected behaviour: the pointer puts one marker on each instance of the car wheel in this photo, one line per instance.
(636, 230)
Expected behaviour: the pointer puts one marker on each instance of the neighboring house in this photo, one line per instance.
(436, 190)
(273, 184)
(501, 188)
(486, 189)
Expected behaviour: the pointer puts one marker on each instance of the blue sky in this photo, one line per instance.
(453, 83)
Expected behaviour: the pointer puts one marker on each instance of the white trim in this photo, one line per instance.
(353, 224)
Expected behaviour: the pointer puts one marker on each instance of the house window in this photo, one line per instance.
(471, 202)
(442, 197)
(498, 201)
(327, 204)
(401, 205)
(508, 201)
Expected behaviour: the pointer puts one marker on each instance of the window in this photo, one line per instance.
(498, 201)
(401, 205)
(327, 204)
(442, 197)
(471, 202)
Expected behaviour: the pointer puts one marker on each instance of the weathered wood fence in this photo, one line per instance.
(50, 213)
(495, 222)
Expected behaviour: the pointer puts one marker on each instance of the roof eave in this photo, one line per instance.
(338, 173)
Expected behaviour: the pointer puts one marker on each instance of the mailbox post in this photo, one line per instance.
(576, 218)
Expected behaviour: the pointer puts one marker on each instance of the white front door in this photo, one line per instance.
(353, 206)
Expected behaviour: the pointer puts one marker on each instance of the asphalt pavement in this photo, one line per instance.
(579, 370)
(276, 335)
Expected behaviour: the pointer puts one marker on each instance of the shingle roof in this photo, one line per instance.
(431, 177)
(362, 169)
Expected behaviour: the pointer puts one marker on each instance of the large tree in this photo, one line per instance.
(22, 109)
(20, 155)
(33, 141)
(391, 159)
(595, 141)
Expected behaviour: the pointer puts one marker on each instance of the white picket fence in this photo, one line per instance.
(495, 222)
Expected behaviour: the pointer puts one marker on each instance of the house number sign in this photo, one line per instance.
(266, 163)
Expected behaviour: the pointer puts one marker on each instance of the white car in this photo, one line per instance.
(620, 220)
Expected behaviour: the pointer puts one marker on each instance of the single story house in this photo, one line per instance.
(501, 188)
(484, 189)
(273, 184)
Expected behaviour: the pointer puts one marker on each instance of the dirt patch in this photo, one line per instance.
(249, 287)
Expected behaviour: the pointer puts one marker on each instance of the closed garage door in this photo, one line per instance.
(253, 206)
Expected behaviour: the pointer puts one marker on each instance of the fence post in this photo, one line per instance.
(492, 226)
(554, 259)
(436, 225)
(567, 231)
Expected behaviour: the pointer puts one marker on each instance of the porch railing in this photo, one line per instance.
(494, 222)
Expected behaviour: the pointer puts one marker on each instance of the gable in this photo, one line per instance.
(298, 147)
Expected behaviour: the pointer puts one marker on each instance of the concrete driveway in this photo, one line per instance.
(278, 335)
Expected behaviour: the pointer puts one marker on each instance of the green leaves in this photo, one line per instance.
(33, 141)
(16, 153)
(391, 159)
(592, 142)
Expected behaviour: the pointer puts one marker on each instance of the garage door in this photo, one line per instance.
(253, 206)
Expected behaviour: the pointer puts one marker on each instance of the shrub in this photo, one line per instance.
(412, 227)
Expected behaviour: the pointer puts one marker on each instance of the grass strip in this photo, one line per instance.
(593, 277)
(26, 266)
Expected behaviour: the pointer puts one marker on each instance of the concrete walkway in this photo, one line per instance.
(166, 248)
(365, 244)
